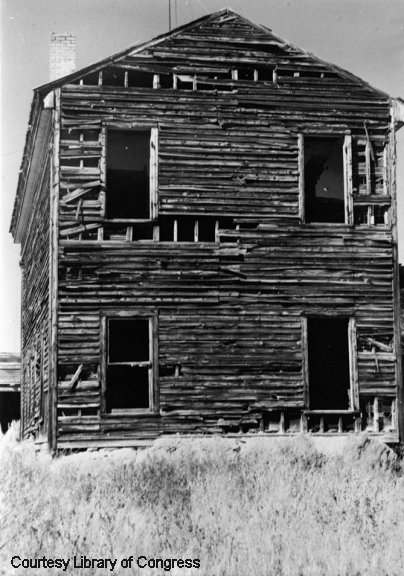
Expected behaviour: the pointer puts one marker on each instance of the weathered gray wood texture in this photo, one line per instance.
(229, 313)
(35, 305)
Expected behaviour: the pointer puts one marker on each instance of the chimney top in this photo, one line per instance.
(62, 55)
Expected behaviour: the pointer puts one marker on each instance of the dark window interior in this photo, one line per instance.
(246, 74)
(185, 229)
(360, 215)
(206, 231)
(127, 387)
(128, 188)
(166, 81)
(140, 79)
(9, 409)
(91, 79)
(328, 359)
(265, 73)
(323, 180)
(129, 340)
(113, 77)
(379, 214)
(128, 380)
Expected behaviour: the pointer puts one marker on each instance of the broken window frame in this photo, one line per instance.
(144, 314)
(347, 176)
(353, 360)
(153, 170)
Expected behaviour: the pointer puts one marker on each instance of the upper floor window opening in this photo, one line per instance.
(325, 182)
(131, 174)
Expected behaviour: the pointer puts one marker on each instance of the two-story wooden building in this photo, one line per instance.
(209, 244)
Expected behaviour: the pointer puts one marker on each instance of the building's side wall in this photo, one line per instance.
(35, 310)
(229, 314)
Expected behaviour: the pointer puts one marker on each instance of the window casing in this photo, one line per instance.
(129, 174)
(129, 363)
(325, 179)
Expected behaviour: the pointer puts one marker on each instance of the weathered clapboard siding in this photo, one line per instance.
(239, 167)
(229, 313)
(229, 105)
(235, 339)
(35, 311)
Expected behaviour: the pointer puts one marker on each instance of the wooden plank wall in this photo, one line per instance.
(229, 313)
(35, 314)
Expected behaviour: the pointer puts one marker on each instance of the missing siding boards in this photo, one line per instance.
(323, 180)
(113, 77)
(128, 174)
(193, 228)
(140, 79)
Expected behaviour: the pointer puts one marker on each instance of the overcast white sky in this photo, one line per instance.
(365, 37)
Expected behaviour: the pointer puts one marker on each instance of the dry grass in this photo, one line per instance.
(257, 508)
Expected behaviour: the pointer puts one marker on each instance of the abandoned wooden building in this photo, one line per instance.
(209, 245)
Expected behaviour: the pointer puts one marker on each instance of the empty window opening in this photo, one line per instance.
(328, 363)
(324, 180)
(128, 370)
(127, 179)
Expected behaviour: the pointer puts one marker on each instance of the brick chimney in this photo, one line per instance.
(62, 55)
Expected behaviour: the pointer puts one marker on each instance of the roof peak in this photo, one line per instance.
(142, 45)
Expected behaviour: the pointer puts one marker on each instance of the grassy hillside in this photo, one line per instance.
(262, 508)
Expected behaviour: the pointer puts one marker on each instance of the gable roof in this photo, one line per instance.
(260, 34)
